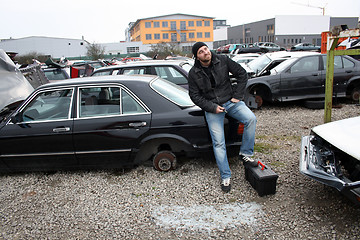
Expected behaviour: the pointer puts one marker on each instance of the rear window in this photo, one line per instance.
(172, 92)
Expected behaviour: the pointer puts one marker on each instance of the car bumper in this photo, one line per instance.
(315, 164)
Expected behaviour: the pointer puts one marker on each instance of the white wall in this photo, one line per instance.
(292, 25)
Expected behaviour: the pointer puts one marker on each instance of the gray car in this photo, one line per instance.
(301, 78)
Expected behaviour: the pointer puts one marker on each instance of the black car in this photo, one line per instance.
(106, 122)
(175, 71)
(301, 78)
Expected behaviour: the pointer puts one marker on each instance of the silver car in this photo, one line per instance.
(331, 156)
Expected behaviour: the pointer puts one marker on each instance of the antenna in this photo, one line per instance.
(308, 5)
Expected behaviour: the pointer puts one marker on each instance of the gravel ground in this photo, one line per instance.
(186, 203)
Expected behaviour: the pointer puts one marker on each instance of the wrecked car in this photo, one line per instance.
(107, 122)
(303, 78)
(331, 156)
(14, 87)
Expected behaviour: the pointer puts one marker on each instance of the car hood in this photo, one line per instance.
(343, 134)
(14, 86)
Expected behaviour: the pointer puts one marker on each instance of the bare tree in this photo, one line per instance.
(95, 51)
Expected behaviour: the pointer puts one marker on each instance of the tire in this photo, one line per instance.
(164, 161)
(314, 104)
(355, 94)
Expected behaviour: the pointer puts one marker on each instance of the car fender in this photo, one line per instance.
(263, 85)
(152, 144)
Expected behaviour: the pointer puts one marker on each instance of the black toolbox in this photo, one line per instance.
(261, 178)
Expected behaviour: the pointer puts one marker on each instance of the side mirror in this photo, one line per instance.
(17, 118)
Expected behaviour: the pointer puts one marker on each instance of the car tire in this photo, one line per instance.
(355, 94)
(164, 161)
(314, 104)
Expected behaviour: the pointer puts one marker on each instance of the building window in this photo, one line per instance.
(173, 25)
(270, 29)
(207, 34)
(165, 36)
(199, 35)
(182, 37)
(247, 32)
(156, 24)
(191, 35)
(147, 24)
(199, 23)
(157, 36)
(148, 36)
(191, 23)
(131, 50)
(207, 23)
(165, 24)
(174, 37)
(182, 25)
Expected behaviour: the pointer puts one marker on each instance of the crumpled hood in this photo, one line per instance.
(14, 86)
(343, 134)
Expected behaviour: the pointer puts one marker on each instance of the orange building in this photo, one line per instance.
(179, 28)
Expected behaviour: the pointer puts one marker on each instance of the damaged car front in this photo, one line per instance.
(331, 156)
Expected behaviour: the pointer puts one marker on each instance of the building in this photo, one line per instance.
(181, 29)
(54, 47)
(286, 31)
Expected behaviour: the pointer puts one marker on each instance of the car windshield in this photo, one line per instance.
(283, 65)
(172, 92)
(259, 63)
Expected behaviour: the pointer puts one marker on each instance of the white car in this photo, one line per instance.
(262, 65)
(331, 156)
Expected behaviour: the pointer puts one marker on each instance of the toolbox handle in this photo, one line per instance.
(262, 165)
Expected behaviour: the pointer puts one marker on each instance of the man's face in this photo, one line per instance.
(204, 54)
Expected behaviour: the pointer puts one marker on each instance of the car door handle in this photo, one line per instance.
(137, 124)
(61, 129)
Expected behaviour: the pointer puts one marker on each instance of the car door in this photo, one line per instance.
(343, 71)
(110, 120)
(39, 136)
(302, 80)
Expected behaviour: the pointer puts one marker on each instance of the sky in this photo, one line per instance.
(105, 21)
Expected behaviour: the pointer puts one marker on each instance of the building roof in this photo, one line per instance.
(171, 16)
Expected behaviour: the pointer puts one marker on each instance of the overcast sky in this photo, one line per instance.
(105, 21)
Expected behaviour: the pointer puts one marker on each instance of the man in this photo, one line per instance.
(210, 88)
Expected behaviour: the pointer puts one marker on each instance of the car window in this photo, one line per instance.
(49, 105)
(171, 74)
(129, 105)
(172, 92)
(306, 64)
(348, 63)
(99, 101)
(107, 101)
(102, 73)
(55, 74)
(337, 62)
(130, 71)
(187, 67)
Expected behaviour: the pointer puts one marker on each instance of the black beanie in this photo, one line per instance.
(196, 47)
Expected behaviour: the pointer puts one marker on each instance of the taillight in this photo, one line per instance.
(240, 130)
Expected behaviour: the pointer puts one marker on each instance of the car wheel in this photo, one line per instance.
(355, 94)
(164, 161)
(259, 100)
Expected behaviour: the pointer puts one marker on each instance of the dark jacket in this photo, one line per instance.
(208, 98)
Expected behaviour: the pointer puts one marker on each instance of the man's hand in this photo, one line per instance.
(220, 109)
(234, 100)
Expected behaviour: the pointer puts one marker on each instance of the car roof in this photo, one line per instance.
(144, 63)
(285, 54)
(101, 79)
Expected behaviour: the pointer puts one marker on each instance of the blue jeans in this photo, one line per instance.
(243, 114)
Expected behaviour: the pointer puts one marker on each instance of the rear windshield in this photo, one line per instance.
(172, 92)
